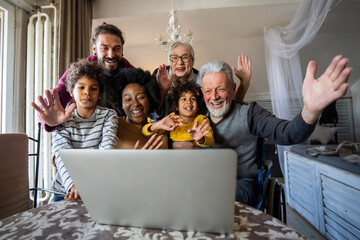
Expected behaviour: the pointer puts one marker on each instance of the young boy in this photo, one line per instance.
(89, 126)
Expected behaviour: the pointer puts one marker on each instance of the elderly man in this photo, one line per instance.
(107, 44)
(238, 125)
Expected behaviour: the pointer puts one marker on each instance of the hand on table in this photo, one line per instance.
(73, 194)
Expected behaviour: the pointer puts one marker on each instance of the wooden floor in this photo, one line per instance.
(300, 224)
(297, 222)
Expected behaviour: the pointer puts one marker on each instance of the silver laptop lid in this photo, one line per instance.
(190, 190)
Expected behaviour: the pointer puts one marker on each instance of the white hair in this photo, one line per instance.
(215, 67)
(183, 43)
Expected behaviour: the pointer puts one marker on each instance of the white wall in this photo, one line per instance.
(325, 46)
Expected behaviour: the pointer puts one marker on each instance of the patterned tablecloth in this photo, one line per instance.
(71, 220)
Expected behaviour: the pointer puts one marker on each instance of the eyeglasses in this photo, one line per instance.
(175, 58)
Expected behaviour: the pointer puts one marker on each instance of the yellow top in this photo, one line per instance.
(180, 133)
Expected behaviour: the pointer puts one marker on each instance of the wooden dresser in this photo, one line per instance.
(325, 190)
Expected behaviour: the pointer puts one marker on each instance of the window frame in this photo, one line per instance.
(7, 78)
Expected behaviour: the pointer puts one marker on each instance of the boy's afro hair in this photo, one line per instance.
(84, 68)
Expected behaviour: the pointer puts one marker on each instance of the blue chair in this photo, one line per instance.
(271, 194)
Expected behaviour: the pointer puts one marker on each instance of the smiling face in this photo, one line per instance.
(217, 93)
(86, 93)
(180, 68)
(135, 103)
(187, 107)
(109, 51)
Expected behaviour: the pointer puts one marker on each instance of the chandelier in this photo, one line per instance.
(174, 31)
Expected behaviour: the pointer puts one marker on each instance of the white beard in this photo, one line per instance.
(218, 112)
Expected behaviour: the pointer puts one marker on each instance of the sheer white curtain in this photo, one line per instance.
(282, 45)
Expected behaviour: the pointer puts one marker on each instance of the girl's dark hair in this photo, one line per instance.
(84, 68)
(187, 86)
(126, 76)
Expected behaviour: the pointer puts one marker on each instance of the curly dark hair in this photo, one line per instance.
(126, 76)
(105, 28)
(84, 68)
(188, 86)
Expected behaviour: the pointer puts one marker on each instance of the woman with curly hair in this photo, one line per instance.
(134, 94)
(186, 122)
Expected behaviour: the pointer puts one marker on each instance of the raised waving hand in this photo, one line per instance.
(243, 72)
(50, 110)
(198, 133)
(319, 93)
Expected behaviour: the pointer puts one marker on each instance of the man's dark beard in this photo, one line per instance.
(110, 72)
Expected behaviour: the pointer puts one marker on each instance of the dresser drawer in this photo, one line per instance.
(341, 208)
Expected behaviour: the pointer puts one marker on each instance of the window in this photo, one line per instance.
(7, 18)
(1, 57)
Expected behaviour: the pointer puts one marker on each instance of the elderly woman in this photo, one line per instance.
(135, 93)
(181, 58)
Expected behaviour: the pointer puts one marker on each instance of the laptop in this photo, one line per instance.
(192, 190)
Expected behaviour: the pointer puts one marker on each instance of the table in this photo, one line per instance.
(71, 220)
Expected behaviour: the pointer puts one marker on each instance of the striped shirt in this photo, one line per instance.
(96, 132)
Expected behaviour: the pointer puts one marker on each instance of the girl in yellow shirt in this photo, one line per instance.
(186, 122)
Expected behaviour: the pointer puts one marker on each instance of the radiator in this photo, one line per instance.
(41, 74)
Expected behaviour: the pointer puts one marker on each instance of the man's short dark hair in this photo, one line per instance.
(84, 68)
(105, 28)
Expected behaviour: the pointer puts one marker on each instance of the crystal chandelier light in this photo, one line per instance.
(174, 31)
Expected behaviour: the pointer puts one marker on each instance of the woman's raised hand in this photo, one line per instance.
(243, 72)
(164, 80)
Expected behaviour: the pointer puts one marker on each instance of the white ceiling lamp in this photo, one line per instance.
(174, 31)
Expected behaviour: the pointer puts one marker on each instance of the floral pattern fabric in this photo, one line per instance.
(71, 220)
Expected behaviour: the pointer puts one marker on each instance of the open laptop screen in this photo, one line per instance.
(167, 189)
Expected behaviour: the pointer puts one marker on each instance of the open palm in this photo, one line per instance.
(319, 93)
